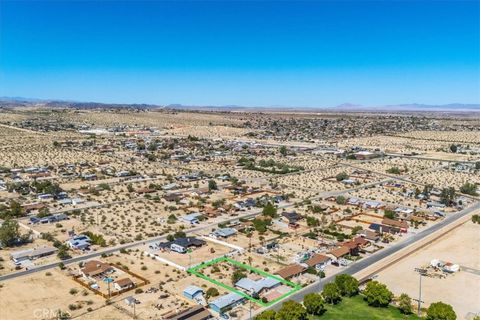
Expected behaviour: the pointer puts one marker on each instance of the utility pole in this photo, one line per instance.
(421, 272)
(134, 314)
(250, 309)
(420, 294)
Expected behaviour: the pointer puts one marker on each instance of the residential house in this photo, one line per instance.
(180, 245)
(226, 302)
(193, 313)
(32, 254)
(291, 271)
(224, 233)
(318, 261)
(123, 284)
(255, 287)
(192, 218)
(401, 225)
(369, 235)
(80, 242)
(340, 252)
(356, 245)
(95, 268)
(292, 217)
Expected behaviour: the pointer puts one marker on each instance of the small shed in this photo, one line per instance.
(191, 292)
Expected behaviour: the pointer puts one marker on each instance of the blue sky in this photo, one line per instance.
(308, 54)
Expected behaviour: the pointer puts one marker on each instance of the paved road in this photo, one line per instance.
(98, 253)
(366, 262)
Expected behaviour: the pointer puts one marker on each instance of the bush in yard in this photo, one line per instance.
(440, 311)
(405, 303)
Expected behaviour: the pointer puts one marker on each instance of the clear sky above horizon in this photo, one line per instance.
(306, 54)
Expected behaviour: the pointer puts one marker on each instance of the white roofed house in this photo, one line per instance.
(123, 284)
(32, 254)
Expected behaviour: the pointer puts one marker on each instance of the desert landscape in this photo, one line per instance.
(106, 214)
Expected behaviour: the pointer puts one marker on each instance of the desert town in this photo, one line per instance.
(123, 213)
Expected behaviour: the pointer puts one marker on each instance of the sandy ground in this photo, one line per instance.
(461, 290)
(456, 136)
(40, 296)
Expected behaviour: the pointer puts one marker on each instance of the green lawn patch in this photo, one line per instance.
(356, 308)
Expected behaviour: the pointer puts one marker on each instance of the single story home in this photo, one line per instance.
(372, 205)
(193, 313)
(80, 242)
(192, 218)
(340, 252)
(402, 225)
(181, 245)
(226, 302)
(356, 245)
(170, 186)
(224, 232)
(292, 216)
(291, 271)
(252, 286)
(123, 284)
(95, 268)
(31, 254)
(318, 261)
(369, 235)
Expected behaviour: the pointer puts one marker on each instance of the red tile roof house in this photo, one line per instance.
(356, 245)
(291, 271)
(340, 252)
(95, 268)
(402, 225)
(318, 261)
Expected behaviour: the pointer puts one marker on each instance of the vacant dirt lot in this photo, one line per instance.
(461, 290)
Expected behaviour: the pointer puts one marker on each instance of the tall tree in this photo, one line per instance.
(212, 185)
(9, 233)
(269, 210)
(313, 302)
(266, 315)
(331, 293)
(377, 294)
(447, 197)
(347, 285)
(292, 310)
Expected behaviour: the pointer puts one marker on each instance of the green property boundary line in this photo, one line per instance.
(196, 271)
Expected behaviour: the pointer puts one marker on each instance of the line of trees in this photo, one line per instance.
(376, 294)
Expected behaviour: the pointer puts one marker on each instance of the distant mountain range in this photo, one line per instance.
(346, 107)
